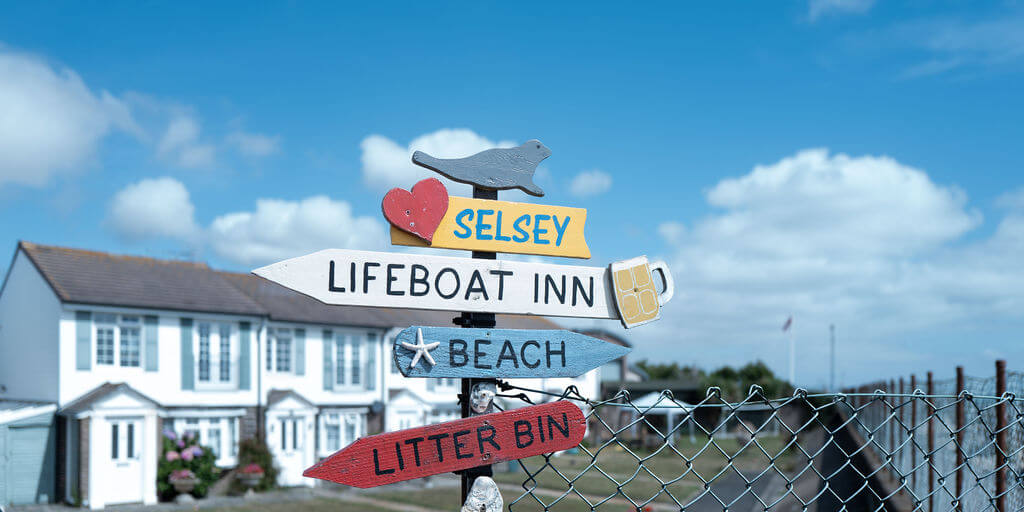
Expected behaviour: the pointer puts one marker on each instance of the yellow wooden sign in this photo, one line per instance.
(504, 226)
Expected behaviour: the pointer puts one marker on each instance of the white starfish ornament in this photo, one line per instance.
(421, 349)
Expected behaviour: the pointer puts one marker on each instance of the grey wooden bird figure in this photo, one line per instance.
(492, 169)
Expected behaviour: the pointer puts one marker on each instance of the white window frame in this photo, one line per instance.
(201, 427)
(332, 420)
(351, 426)
(126, 439)
(354, 347)
(272, 354)
(216, 330)
(118, 323)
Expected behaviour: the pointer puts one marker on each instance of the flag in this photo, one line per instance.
(788, 324)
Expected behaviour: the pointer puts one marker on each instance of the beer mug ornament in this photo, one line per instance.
(636, 297)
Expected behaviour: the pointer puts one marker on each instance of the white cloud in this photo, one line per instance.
(181, 145)
(276, 230)
(868, 243)
(672, 232)
(254, 144)
(387, 164)
(153, 208)
(51, 122)
(818, 8)
(590, 183)
(280, 229)
(934, 46)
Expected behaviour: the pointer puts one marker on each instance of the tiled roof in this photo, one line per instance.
(14, 405)
(90, 277)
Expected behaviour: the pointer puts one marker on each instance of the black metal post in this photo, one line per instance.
(475, 320)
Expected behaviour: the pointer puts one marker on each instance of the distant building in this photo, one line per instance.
(100, 353)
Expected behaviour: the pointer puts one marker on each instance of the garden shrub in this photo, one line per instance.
(255, 451)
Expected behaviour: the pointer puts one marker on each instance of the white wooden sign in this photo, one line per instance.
(415, 281)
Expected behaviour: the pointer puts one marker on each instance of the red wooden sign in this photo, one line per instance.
(454, 445)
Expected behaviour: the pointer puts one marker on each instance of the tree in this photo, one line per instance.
(735, 383)
(664, 371)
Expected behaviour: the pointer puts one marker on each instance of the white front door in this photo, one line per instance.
(290, 439)
(125, 477)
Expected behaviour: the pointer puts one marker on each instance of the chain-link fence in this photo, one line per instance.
(876, 448)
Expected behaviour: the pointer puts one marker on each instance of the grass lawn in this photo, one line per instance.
(682, 474)
(678, 475)
(447, 498)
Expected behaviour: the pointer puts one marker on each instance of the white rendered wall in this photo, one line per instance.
(29, 311)
(311, 384)
(164, 385)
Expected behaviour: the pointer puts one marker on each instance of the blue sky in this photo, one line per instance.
(843, 161)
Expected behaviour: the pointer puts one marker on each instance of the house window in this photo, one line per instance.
(279, 350)
(214, 347)
(339, 360)
(122, 439)
(219, 435)
(290, 428)
(341, 429)
(118, 340)
(354, 361)
(371, 360)
(350, 428)
(131, 345)
(204, 352)
(191, 428)
(213, 436)
(104, 345)
(332, 428)
(225, 353)
(355, 347)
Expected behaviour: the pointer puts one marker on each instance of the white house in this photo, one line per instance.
(125, 347)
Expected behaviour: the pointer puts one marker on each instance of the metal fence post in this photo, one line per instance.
(930, 457)
(959, 436)
(892, 428)
(1000, 436)
(913, 435)
(902, 453)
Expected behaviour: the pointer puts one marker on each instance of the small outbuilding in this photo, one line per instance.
(28, 452)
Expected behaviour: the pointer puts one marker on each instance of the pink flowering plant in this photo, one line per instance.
(182, 474)
(251, 469)
(183, 458)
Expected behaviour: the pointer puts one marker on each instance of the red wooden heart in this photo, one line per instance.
(419, 212)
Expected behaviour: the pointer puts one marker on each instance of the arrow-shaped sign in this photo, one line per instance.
(454, 445)
(499, 353)
(415, 281)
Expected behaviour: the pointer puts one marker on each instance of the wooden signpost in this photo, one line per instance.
(426, 216)
(503, 226)
(499, 353)
(454, 445)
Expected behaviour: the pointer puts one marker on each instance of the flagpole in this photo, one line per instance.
(792, 355)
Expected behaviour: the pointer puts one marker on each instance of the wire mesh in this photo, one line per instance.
(876, 449)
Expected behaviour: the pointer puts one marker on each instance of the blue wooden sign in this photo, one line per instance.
(499, 353)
